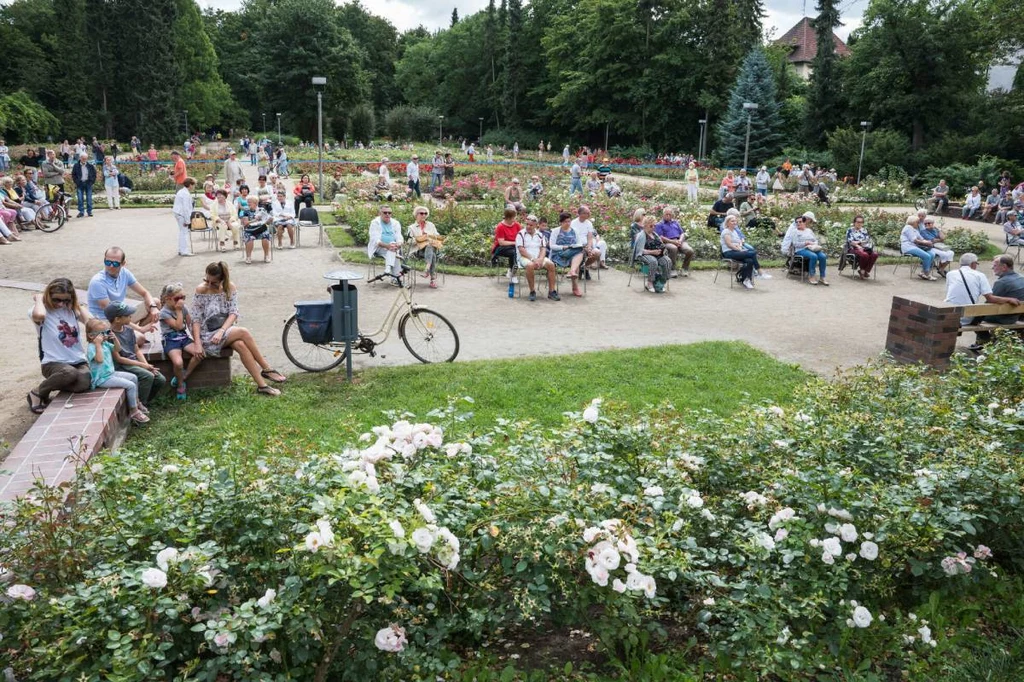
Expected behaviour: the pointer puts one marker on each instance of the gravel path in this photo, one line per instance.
(819, 328)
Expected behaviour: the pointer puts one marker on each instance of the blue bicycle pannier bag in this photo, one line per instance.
(314, 320)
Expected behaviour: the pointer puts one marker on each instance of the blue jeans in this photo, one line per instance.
(576, 185)
(84, 199)
(811, 257)
(763, 191)
(925, 256)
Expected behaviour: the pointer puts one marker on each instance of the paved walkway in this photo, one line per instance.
(816, 327)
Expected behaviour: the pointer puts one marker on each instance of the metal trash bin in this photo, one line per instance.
(345, 312)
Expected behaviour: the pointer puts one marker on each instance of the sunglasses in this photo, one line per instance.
(112, 263)
(179, 298)
(385, 212)
(62, 300)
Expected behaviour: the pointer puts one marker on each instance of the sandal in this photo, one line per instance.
(266, 374)
(248, 261)
(433, 284)
(36, 408)
(181, 394)
(266, 259)
(268, 390)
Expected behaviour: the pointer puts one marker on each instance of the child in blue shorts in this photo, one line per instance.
(175, 325)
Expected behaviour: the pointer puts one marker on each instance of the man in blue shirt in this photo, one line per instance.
(111, 285)
(674, 238)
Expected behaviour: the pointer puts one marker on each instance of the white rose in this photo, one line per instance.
(424, 511)
(869, 550)
(781, 534)
(599, 574)
(314, 542)
(832, 546)
(765, 540)
(397, 529)
(710, 601)
(926, 633)
(654, 491)
(606, 556)
(848, 532)
(694, 501)
(326, 534)
(590, 415)
(452, 449)
(423, 538)
(618, 586)
(223, 639)
(154, 578)
(22, 592)
(166, 556)
(650, 588)
(828, 558)
(391, 639)
(264, 601)
(783, 636)
(169, 469)
(861, 617)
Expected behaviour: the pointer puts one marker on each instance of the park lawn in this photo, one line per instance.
(322, 411)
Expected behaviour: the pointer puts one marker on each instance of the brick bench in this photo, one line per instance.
(211, 373)
(73, 428)
(923, 331)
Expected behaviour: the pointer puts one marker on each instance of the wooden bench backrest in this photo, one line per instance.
(992, 309)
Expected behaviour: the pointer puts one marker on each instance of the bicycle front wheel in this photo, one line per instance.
(311, 357)
(429, 336)
(921, 204)
(53, 220)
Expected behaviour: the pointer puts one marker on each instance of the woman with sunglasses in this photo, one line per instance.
(426, 242)
(215, 308)
(64, 365)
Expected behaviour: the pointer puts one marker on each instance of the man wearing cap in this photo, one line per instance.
(111, 285)
(1014, 231)
(233, 169)
(128, 355)
(412, 175)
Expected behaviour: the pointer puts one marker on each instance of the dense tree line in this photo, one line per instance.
(641, 71)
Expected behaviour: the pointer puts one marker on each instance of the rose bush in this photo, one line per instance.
(782, 540)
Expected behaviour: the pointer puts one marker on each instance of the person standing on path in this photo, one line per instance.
(436, 171)
(692, 182)
(412, 174)
(576, 178)
(565, 156)
(233, 170)
(183, 206)
(110, 183)
(178, 171)
(84, 175)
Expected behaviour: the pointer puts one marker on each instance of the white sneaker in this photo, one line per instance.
(748, 284)
(514, 280)
(508, 274)
(763, 275)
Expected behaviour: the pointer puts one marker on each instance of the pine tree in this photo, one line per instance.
(455, 16)
(73, 79)
(824, 98)
(756, 83)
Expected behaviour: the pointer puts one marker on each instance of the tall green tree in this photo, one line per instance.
(455, 16)
(514, 81)
(917, 65)
(202, 92)
(824, 110)
(377, 40)
(74, 80)
(755, 84)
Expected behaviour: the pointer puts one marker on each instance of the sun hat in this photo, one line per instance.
(810, 216)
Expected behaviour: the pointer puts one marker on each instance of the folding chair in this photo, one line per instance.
(733, 266)
(308, 217)
(913, 261)
(198, 224)
(796, 264)
(1019, 245)
(848, 257)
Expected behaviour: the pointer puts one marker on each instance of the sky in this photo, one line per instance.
(434, 14)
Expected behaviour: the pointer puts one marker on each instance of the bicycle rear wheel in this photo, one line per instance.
(54, 219)
(921, 203)
(429, 336)
(311, 357)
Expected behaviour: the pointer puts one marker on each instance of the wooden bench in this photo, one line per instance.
(211, 373)
(923, 331)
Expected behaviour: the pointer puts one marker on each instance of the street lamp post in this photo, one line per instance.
(322, 82)
(700, 138)
(264, 115)
(279, 129)
(750, 107)
(481, 136)
(186, 125)
(864, 138)
(440, 129)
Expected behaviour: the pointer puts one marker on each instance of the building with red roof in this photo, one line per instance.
(803, 43)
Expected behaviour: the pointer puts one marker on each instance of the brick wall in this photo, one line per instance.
(211, 373)
(922, 332)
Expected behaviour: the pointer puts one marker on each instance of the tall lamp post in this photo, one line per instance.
(440, 126)
(700, 138)
(279, 129)
(264, 115)
(186, 125)
(481, 136)
(863, 139)
(750, 108)
(320, 81)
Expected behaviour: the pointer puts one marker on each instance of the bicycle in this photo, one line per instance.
(52, 215)
(428, 335)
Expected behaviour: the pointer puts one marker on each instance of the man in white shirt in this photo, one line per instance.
(532, 252)
(183, 206)
(412, 174)
(967, 286)
(594, 248)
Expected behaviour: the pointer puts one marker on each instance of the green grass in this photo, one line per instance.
(318, 412)
(340, 237)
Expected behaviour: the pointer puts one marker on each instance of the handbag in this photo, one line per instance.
(215, 322)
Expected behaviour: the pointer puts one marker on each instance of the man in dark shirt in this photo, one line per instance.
(1009, 284)
(718, 211)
